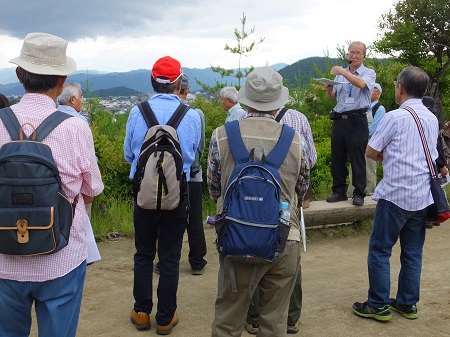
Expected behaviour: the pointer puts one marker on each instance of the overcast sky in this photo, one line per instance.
(118, 35)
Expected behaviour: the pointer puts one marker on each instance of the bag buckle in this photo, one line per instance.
(22, 231)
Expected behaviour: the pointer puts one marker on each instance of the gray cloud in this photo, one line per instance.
(83, 18)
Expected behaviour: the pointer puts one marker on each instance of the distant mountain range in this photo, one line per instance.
(136, 82)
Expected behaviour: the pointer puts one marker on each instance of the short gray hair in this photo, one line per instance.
(70, 89)
(230, 93)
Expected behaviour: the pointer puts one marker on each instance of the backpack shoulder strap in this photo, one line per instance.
(237, 147)
(49, 124)
(148, 114)
(375, 108)
(281, 114)
(276, 157)
(178, 115)
(11, 123)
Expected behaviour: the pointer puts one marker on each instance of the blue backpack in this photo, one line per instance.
(35, 214)
(248, 229)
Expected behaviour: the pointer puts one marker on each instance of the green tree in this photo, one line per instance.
(242, 50)
(417, 32)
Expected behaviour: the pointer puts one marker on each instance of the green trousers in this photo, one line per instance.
(295, 303)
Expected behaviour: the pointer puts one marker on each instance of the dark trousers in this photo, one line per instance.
(166, 227)
(195, 231)
(348, 143)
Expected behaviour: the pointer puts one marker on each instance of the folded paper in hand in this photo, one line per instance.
(328, 81)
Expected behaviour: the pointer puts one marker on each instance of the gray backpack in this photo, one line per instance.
(160, 182)
(35, 213)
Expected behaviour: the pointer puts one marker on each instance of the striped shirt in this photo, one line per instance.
(299, 123)
(406, 176)
(73, 150)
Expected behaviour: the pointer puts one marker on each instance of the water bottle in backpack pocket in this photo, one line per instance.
(284, 226)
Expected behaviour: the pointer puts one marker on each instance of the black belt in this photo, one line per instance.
(347, 114)
(354, 112)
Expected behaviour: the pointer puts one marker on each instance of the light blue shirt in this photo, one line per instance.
(235, 113)
(71, 111)
(201, 145)
(359, 97)
(379, 114)
(163, 105)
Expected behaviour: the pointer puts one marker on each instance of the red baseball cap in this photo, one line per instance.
(166, 70)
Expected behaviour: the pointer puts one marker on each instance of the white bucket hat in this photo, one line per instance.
(263, 90)
(45, 54)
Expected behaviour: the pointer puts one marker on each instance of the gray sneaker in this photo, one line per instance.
(291, 329)
(252, 329)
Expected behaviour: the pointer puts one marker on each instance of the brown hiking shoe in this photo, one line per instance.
(167, 329)
(141, 320)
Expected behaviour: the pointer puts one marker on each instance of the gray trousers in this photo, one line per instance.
(276, 282)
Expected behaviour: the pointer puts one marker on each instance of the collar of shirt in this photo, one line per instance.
(358, 71)
(39, 100)
(373, 104)
(259, 114)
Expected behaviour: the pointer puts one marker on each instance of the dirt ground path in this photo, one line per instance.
(334, 276)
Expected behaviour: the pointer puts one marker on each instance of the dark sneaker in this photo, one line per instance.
(197, 272)
(358, 200)
(429, 225)
(337, 197)
(252, 329)
(380, 314)
(407, 311)
(291, 329)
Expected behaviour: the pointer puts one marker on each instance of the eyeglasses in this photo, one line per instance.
(356, 53)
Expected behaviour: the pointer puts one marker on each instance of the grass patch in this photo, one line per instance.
(112, 216)
(117, 216)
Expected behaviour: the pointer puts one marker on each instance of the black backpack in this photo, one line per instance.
(160, 182)
(35, 213)
(375, 108)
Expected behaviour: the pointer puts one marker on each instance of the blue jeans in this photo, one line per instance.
(57, 303)
(166, 228)
(390, 223)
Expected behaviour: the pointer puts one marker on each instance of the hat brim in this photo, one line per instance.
(44, 69)
(264, 106)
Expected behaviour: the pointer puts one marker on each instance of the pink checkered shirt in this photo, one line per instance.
(73, 149)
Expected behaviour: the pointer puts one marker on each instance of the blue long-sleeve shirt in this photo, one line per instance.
(381, 111)
(163, 105)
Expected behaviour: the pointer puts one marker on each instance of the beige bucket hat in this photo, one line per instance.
(45, 54)
(263, 90)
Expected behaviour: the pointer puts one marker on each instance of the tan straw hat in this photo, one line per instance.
(45, 54)
(263, 90)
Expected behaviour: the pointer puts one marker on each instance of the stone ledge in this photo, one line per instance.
(324, 213)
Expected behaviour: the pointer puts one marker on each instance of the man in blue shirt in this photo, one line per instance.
(229, 102)
(166, 227)
(350, 132)
(71, 100)
(375, 114)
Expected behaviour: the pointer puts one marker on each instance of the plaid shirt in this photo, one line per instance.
(73, 150)
(214, 173)
(299, 123)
